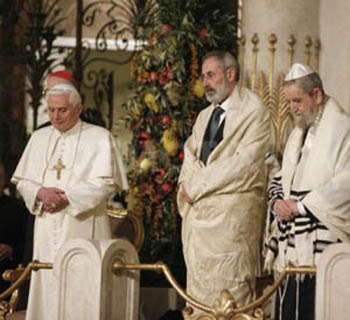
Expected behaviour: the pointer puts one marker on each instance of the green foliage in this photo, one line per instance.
(167, 98)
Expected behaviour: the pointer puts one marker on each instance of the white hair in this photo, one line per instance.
(66, 88)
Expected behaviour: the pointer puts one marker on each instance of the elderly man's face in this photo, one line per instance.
(215, 82)
(303, 106)
(62, 114)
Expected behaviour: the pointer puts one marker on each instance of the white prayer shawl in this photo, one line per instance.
(221, 230)
(325, 173)
(93, 170)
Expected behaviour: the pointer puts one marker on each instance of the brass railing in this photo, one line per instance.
(160, 266)
(224, 307)
(17, 278)
(34, 265)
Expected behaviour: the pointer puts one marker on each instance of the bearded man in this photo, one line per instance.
(222, 184)
(309, 199)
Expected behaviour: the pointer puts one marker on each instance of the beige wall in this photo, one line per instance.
(297, 17)
(335, 54)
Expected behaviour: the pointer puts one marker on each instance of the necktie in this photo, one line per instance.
(210, 137)
(214, 124)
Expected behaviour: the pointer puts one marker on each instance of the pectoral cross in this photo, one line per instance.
(59, 167)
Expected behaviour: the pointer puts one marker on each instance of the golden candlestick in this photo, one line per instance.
(317, 54)
(307, 52)
(241, 45)
(272, 41)
(255, 42)
(290, 44)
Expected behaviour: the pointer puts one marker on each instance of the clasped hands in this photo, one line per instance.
(53, 199)
(286, 210)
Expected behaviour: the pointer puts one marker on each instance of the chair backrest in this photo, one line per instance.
(126, 225)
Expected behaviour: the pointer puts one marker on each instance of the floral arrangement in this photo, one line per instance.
(168, 95)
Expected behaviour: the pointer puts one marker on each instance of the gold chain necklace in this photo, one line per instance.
(60, 165)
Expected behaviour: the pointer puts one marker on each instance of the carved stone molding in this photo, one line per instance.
(85, 286)
(332, 283)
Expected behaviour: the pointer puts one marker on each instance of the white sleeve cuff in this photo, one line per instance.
(301, 209)
(29, 191)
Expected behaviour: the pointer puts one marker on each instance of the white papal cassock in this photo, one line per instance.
(92, 170)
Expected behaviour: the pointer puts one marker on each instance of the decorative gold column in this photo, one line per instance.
(241, 44)
(255, 42)
(272, 42)
(290, 44)
(317, 46)
(307, 51)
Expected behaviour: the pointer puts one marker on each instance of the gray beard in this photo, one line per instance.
(221, 94)
(305, 121)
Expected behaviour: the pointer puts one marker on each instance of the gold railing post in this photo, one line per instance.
(272, 41)
(239, 18)
(307, 52)
(290, 44)
(160, 267)
(241, 45)
(317, 54)
(35, 266)
(255, 41)
(21, 274)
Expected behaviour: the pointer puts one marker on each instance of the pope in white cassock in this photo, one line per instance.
(309, 199)
(65, 175)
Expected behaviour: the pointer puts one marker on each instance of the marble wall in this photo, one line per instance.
(335, 54)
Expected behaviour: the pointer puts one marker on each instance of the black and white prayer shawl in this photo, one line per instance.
(300, 241)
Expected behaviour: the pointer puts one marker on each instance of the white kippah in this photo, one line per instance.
(63, 87)
(298, 70)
